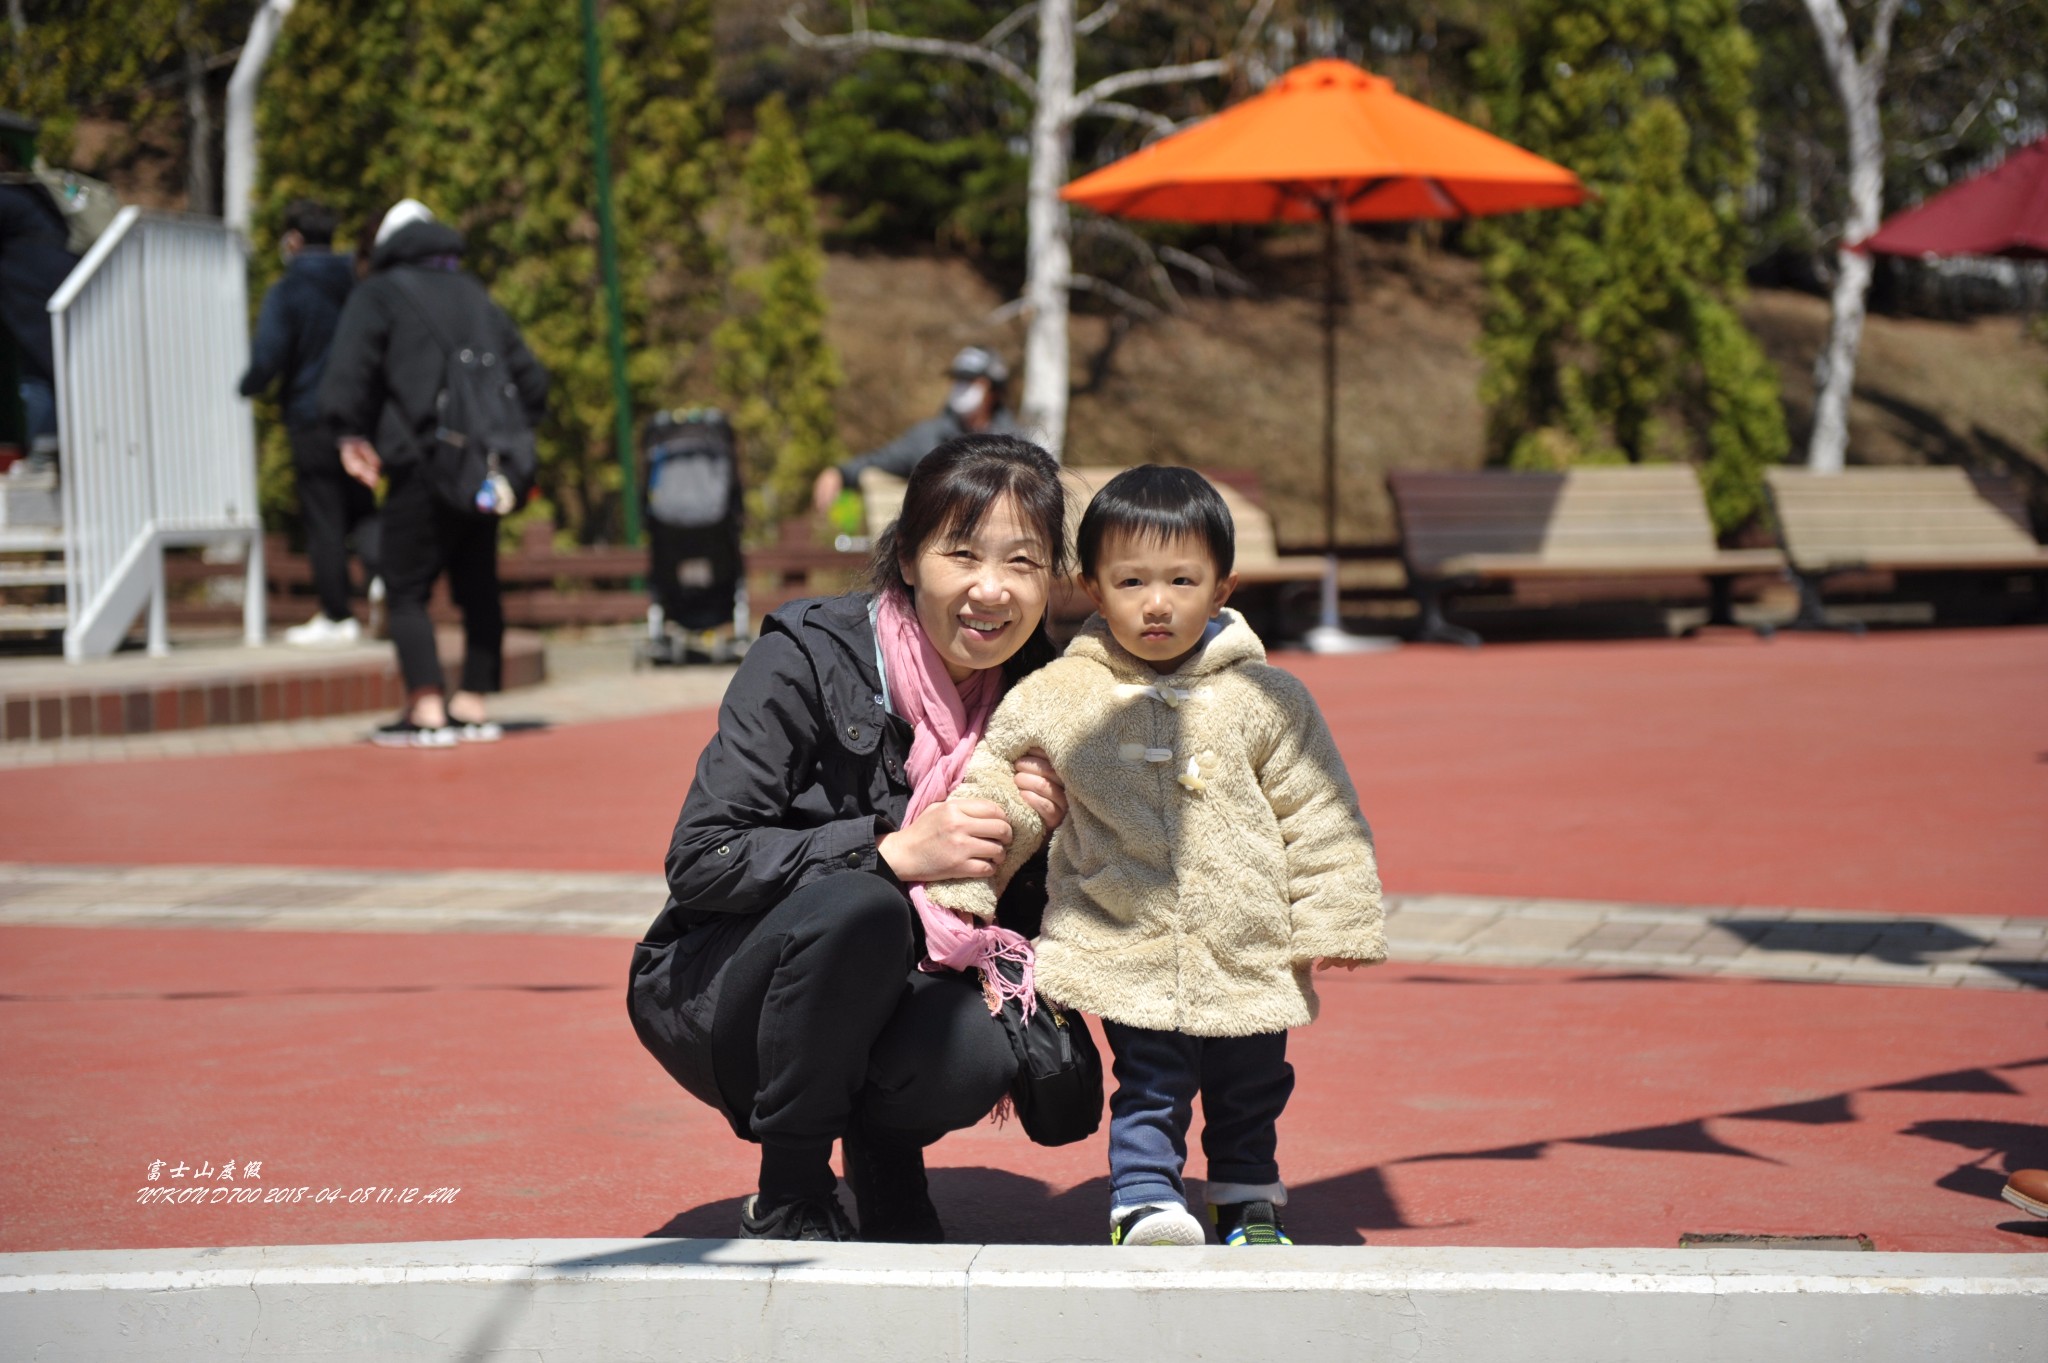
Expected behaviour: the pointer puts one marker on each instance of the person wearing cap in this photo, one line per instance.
(380, 394)
(974, 405)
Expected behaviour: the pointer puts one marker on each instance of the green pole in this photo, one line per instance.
(608, 254)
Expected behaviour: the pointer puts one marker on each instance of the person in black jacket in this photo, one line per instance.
(384, 376)
(780, 983)
(977, 402)
(293, 333)
(34, 261)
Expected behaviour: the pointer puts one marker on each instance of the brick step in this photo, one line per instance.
(46, 699)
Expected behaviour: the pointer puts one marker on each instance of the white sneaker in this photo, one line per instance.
(320, 632)
(1171, 1224)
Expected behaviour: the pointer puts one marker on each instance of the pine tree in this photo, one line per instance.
(774, 364)
(1611, 332)
(478, 109)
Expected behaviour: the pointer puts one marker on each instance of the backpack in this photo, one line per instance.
(483, 461)
(692, 468)
(88, 206)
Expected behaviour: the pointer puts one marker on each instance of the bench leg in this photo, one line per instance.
(1435, 629)
(1813, 612)
(1721, 609)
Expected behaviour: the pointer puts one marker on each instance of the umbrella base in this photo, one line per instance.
(1335, 639)
(1329, 635)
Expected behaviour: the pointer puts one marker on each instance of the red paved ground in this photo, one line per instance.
(1434, 1106)
(1904, 773)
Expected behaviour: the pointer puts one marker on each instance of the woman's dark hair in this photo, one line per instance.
(1155, 503)
(951, 492)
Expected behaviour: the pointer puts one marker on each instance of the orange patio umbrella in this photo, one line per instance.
(1328, 142)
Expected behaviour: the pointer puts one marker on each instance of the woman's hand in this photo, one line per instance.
(1042, 788)
(956, 840)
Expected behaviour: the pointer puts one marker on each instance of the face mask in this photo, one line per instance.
(967, 397)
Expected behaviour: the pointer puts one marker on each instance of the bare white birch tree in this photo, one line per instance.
(1056, 107)
(1859, 81)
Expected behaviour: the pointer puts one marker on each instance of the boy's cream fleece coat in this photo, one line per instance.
(1212, 847)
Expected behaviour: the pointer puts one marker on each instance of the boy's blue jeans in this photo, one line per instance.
(1244, 1082)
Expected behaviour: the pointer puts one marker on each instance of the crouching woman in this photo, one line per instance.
(789, 982)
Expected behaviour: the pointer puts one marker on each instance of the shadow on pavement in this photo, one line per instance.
(994, 1206)
(1895, 941)
(2022, 1145)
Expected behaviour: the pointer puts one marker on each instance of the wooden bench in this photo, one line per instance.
(543, 587)
(1901, 520)
(1630, 522)
(1264, 574)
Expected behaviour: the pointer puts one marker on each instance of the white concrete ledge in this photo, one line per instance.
(618, 1301)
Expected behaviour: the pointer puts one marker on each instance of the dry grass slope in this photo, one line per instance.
(1238, 383)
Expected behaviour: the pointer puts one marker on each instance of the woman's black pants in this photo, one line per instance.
(812, 1016)
(423, 538)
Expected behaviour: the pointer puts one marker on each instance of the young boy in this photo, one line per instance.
(1212, 854)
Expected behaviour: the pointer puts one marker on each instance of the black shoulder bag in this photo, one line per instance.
(483, 461)
(1058, 1088)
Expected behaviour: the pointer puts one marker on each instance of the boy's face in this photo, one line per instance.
(1157, 596)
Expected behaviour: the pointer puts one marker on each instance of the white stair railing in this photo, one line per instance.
(151, 336)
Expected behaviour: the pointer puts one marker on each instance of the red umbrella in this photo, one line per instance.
(1328, 142)
(2003, 212)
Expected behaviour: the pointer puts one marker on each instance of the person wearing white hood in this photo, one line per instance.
(385, 376)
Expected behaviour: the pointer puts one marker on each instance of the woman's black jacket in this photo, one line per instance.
(803, 777)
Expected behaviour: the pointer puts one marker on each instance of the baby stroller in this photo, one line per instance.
(694, 511)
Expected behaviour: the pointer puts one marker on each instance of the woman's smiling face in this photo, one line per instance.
(980, 594)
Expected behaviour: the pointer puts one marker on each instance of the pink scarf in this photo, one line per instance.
(946, 722)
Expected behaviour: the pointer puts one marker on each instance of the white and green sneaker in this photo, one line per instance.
(1248, 1223)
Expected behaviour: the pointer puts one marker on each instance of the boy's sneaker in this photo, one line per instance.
(1155, 1225)
(1248, 1223)
(403, 733)
(795, 1218)
(483, 731)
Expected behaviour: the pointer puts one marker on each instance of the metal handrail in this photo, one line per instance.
(150, 335)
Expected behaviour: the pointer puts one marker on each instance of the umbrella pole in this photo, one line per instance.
(1333, 302)
(1329, 635)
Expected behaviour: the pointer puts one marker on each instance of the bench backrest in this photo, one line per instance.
(1628, 513)
(1868, 515)
(883, 496)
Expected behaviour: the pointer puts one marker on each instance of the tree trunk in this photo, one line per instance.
(1858, 82)
(199, 182)
(17, 23)
(1048, 253)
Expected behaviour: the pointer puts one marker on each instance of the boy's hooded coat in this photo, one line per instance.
(1212, 848)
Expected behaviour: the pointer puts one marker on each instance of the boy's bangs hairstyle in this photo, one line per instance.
(1156, 504)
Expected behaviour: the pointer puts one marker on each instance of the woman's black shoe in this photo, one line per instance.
(889, 1191)
(794, 1218)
